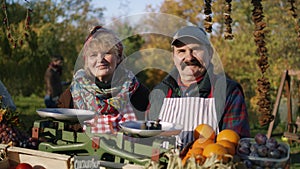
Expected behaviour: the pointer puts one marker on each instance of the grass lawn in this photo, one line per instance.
(27, 107)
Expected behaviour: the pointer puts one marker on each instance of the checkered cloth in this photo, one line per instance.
(111, 105)
(109, 123)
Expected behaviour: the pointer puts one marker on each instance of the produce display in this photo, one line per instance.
(227, 150)
(263, 152)
(208, 144)
(208, 150)
(12, 135)
(11, 130)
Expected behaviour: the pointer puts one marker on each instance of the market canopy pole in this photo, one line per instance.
(284, 82)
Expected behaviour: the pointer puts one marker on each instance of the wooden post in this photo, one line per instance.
(289, 102)
(275, 109)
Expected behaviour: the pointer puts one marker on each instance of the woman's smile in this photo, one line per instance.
(102, 66)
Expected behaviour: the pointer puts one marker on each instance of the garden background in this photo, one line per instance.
(34, 30)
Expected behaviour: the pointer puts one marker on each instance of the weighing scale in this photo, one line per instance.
(58, 132)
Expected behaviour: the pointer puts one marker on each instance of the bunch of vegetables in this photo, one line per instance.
(175, 162)
(208, 150)
(11, 129)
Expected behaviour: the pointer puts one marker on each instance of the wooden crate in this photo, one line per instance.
(47, 160)
(38, 159)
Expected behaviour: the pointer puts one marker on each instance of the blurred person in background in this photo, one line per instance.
(54, 84)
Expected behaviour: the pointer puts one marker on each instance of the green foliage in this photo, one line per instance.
(239, 55)
(56, 27)
(61, 27)
(131, 40)
(27, 107)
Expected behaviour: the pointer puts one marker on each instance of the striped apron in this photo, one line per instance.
(189, 112)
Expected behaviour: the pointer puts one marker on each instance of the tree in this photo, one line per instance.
(281, 40)
(55, 27)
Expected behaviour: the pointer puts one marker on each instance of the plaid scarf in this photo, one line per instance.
(111, 105)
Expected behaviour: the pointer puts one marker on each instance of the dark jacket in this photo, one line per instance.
(223, 87)
(53, 82)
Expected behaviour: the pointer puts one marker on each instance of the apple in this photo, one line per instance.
(24, 166)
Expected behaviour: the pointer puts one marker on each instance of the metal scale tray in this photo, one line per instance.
(57, 136)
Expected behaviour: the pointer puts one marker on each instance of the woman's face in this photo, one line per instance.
(102, 64)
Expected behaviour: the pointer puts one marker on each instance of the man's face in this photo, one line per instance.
(191, 60)
(58, 62)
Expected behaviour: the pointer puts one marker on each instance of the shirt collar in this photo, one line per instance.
(180, 84)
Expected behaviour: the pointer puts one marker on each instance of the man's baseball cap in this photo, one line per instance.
(188, 33)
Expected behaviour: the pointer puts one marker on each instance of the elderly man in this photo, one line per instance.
(193, 94)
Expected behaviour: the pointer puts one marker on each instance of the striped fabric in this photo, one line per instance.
(189, 112)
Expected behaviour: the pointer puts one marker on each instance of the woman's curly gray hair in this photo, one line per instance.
(103, 39)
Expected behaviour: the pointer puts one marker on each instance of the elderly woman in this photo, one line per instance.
(103, 85)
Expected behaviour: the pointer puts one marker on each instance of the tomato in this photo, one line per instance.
(24, 166)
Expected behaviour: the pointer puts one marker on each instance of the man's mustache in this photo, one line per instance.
(193, 62)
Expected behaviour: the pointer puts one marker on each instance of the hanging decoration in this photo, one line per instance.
(294, 14)
(16, 38)
(263, 84)
(228, 20)
(208, 19)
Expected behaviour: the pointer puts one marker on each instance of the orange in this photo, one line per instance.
(204, 130)
(215, 149)
(228, 145)
(229, 135)
(196, 150)
(202, 142)
(196, 153)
